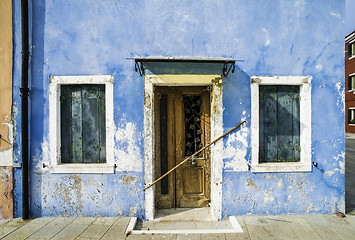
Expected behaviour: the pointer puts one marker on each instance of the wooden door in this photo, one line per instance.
(182, 128)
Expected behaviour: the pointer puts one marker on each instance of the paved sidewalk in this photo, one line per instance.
(255, 227)
(350, 135)
(350, 172)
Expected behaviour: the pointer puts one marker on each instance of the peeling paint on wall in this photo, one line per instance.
(340, 159)
(128, 150)
(341, 96)
(236, 149)
(6, 196)
(6, 120)
(41, 158)
(70, 194)
(107, 32)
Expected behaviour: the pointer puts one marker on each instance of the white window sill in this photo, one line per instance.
(282, 167)
(351, 124)
(353, 56)
(83, 168)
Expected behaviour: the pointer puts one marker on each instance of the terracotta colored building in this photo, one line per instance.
(6, 120)
(350, 83)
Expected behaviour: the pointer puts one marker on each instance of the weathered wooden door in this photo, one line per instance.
(182, 128)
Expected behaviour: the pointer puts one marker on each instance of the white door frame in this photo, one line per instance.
(215, 81)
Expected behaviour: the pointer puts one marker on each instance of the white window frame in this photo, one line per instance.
(305, 121)
(54, 124)
(351, 90)
(353, 53)
(351, 108)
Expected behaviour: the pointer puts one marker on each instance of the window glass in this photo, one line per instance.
(351, 82)
(193, 130)
(351, 50)
(351, 116)
(82, 123)
(164, 143)
(279, 130)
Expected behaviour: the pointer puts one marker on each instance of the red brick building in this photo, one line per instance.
(350, 83)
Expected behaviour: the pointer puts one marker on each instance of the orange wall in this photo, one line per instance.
(6, 199)
(5, 69)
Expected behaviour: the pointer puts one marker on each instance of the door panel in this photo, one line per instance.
(189, 118)
(165, 153)
(193, 175)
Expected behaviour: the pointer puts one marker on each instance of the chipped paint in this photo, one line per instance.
(250, 183)
(280, 183)
(108, 32)
(236, 149)
(42, 158)
(329, 173)
(341, 98)
(267, 37)
(340, 159)
(128, 151)
(6, 120)
(6, 157)
(268, 198)
(129, 180)
(6, 149)
(6, 196)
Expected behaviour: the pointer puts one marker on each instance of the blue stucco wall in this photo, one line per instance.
(16, 108)
(272, 37)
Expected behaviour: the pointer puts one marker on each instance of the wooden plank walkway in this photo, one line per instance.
(254, 227)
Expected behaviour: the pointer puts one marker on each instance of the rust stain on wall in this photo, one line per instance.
(70, 194)
(250, 183)
(6, 198)
(129, 180)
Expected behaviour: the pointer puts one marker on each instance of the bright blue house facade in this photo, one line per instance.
(94, 150)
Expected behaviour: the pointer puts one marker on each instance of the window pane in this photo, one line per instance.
(279, 134)
(351, 116)
(268, 123)
(193, 130)
(65, 109)
(75, 124)
(164, 143)
(83, 134)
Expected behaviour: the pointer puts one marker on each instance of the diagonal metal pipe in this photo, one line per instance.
(193, 155)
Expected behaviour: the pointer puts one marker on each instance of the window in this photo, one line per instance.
(81, 120)
(351, 116)
(351, 82)
(82, 123)
(351, 50)
(281, 124)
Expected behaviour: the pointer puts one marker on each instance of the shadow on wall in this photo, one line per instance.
(177, 68)
(237, 108)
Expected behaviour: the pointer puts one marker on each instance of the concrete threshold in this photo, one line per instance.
(188, 227)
